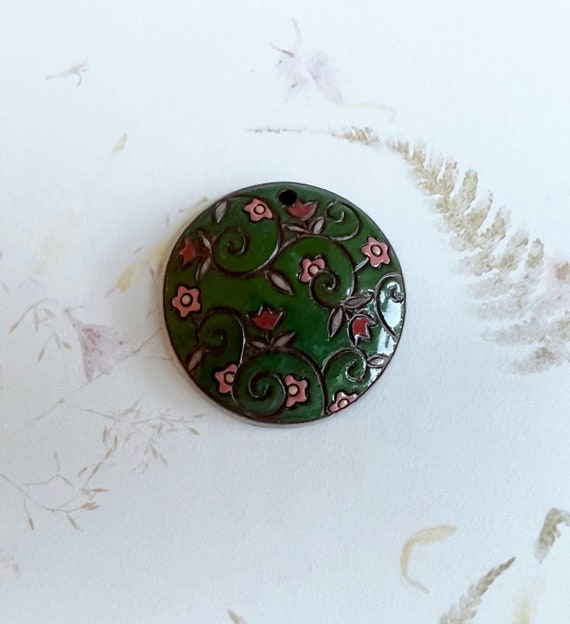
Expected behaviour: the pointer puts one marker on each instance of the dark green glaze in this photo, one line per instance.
(283, 302)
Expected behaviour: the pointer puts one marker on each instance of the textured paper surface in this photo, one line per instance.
(125, 495)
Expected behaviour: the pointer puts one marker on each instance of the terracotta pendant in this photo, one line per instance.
(284, 302)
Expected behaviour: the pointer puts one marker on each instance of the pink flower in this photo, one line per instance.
(226, 378)
(311, 267)
(377, 252)
(258, 210)
(342, 400)
(302, 210)
(186, 300)
(360, 327)
(296, 390)
(266, 318)
(101, 347)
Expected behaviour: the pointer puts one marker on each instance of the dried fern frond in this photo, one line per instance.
(365, 136)
(550, 532)
(514, 279)
(466, 610)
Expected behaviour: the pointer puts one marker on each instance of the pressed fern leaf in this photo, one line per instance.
(466, 610)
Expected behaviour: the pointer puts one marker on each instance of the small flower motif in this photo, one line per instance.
(296, 390)
(311, 267)
(377, 252)
(186, 300)
(266, 318)
(303, 210)
(360, 327)
(226, 378)
(342, 400)
(188, 252)
(258, 210)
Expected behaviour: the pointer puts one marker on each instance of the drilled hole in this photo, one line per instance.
(288, 197)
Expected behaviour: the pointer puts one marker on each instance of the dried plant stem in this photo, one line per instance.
(550, 532)
(466, 610)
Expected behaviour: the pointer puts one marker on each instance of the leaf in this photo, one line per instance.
(221, 211)
(205, 240)
(550, 532)
(336, 319)
(73, 523)
(195, 359)
(258, 344)
(41, 354)
(357, 301)
(377, 361)
(31, 523)
(318, 225)
(90, 506)
(203, 269)
(296, 228)
(279, 282)
(467, 609)
(283, 339)
(65, 344)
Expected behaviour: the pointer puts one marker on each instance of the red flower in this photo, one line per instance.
(226, 378)
(311, 267)
(342, 400)
(360, 326)
(377, 252)
(302, 210)
(188, 252)
(267, 318)
(258, 210)
(296, 390)
(186, 300)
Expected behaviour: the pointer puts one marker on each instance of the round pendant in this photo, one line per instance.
(284, 302)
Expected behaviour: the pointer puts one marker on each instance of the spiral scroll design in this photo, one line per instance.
(284, 302)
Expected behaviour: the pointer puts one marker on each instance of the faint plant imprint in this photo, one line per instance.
(524, 294)
(75, 70)
(526, 601)
(60, 495)
(235, 618)
(120, 144)
(131, 438)
(424, 537)
(305, 71)
(521, 293)
(550, 532)
(466, 610)
(9, 569)
(45, 314)
(136, 437)
(101, 346)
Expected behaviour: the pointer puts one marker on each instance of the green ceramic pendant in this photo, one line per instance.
(284, 302)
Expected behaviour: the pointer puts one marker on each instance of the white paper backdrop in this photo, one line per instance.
(128, 497)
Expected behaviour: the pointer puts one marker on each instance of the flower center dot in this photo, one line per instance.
(229, 378)
(292, 390)
(186, 300)
(376, 250)
(343, 403)
(259, 209)
(313, 269)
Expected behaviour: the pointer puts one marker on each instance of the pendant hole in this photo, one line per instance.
(288, 197)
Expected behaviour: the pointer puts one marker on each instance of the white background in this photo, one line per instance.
(295, 525)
